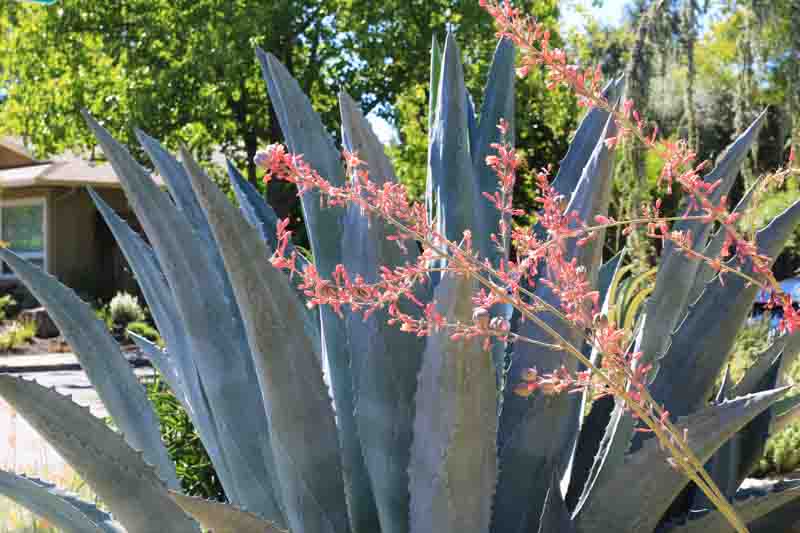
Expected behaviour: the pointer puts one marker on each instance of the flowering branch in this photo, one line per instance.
(548, 262)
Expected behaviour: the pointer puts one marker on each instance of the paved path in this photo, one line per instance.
(21, 448)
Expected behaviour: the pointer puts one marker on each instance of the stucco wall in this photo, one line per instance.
(75, 256)
(77, 241)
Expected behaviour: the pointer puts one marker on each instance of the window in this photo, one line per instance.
(22, 228)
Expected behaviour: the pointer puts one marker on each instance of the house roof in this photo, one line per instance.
(74, 172)
(13, 154)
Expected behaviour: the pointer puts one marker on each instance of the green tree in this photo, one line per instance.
(184, 71)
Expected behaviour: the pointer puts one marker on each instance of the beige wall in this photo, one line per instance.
(72, 226)
(73, 253)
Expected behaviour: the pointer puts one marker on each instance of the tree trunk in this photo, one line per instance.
(634, 172)
(282, 196)
(251, 147)
(794, 84)
(689, 110)
(744, 88)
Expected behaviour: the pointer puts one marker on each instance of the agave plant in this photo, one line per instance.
(399, 433)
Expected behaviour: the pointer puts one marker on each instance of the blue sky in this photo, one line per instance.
(572, 12)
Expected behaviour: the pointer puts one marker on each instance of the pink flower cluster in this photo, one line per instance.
(679, 162)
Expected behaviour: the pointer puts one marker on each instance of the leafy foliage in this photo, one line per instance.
(781, 450)
(144, 330)
(192, 463)
(200, 86)
(6, 301)
(124, 308)
(17, 334)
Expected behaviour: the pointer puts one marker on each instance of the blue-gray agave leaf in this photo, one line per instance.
(450, 162)
(498, 103)
(590, 440)
(725, 171)
(213, 331)
(305, 134)
(103, 361)
(701, 344)
(223, 518)
(555, 516)
(116, 473)
(649, 476)
(301, 418)
(749, 503)
(48, 502)
(592, 426)
(178, 184)
(177, 366)
(98, 516)
(433, 95)
(261, 216)
(585, 141)
(472, 119)
(784, 412)
(704, 271)
(164, 364)
(524, 450)
(767, 362)
(764, 375)
(674, 282)
(384, 383)
(453, 468)
(254, 208)
(149, 276)
(433, 88)
(734, 461)
(776, 519)
(610, 452)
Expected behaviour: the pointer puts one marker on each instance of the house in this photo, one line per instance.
(47, 216)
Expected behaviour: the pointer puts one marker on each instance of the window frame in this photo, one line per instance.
(43, 255)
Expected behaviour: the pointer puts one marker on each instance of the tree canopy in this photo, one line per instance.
(185, 70)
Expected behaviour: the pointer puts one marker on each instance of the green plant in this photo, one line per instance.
(6, 301)
(192, 463)
(16, 335)
(751, 341)
(430, 433)
(780, 452)
(124, 308)
(102, 313)
(144, 330)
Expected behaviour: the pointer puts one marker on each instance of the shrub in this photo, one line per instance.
(143, 329)
(104, 315)
(751, 341)
(18, 334)
(192, 463)
(124, 308)
(5, 301)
